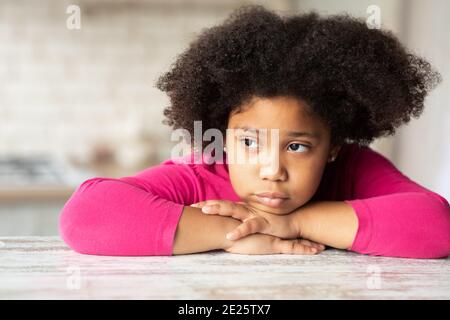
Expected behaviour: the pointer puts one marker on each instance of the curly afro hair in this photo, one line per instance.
(362, 82)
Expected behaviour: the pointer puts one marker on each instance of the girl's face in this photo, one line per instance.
(288, 168)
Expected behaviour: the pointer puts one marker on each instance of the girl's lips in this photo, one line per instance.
(270, 202)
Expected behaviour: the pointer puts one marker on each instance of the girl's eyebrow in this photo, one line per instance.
(295, 134)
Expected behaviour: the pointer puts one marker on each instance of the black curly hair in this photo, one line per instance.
(362, 82)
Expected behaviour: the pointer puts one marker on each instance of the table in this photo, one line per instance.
(45, 268)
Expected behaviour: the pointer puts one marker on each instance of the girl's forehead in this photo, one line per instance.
(283, 106)
(283, 113)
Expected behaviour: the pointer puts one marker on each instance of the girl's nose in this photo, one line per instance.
(273, 174)
(272, 170)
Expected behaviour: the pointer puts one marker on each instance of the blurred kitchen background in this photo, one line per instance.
(75, 104)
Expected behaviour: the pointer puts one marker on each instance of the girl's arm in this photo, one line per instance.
(139, 215)
(409, 225)
(333, 223)
(197, 232)
(123, 217)
(390, 215)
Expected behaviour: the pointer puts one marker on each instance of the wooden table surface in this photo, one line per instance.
(45, 268)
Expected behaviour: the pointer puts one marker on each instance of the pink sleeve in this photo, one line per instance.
(397, 217)
(130, 216)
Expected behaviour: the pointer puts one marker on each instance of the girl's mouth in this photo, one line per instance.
(271, 201)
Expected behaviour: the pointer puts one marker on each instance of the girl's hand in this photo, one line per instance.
(265, 244)
(253, 220)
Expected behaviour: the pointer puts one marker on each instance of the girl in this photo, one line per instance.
(330, 86)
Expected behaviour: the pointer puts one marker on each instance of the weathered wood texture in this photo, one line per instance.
(45, 268)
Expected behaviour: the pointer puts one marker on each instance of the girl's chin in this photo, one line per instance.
(278, 210)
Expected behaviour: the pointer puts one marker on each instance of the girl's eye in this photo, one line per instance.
(250, 143)
(297, 147)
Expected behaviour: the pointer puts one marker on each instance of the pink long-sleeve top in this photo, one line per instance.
(138, 215)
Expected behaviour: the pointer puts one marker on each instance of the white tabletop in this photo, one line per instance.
(45, 268)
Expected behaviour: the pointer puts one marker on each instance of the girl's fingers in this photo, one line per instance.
(295, 247)
(316, 245)
(250, 226)
(225, 208)
(201, 204)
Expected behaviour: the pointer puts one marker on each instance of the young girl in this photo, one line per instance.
(330, 86)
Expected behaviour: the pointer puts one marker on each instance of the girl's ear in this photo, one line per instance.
(334, 153)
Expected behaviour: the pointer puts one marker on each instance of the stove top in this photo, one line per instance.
(37, 171)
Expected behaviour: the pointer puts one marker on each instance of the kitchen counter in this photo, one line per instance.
(35, 194)
(45, 268)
